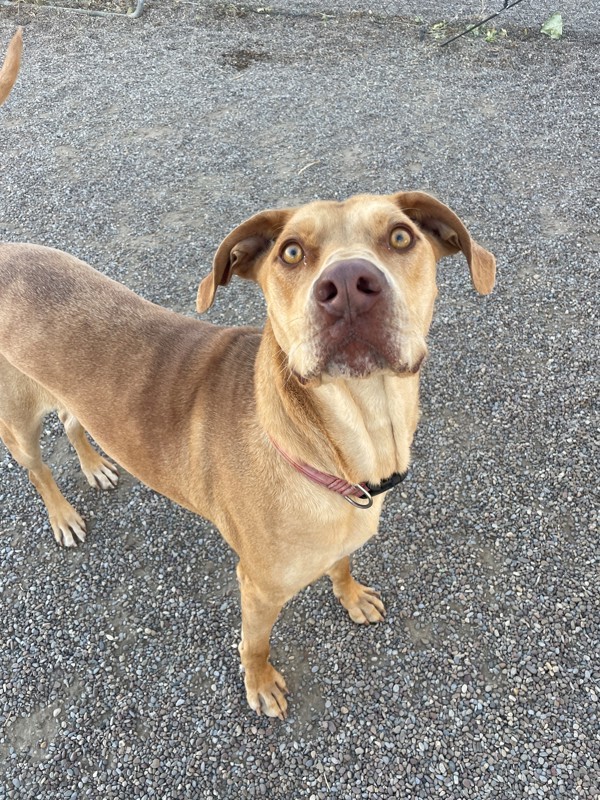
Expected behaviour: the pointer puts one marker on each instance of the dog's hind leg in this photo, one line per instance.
(23, 406)
(100, 473)
(24, 445)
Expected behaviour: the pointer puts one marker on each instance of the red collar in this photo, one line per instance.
(364, 491)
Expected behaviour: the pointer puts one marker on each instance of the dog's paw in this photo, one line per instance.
(102, 474)
(68, 527)
(266, 691)
(363, 604)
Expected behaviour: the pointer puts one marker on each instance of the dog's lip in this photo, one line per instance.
(306, 380)
(349, 348)
(351, 351)
(316, 378)
(417, 365)
(380, 364)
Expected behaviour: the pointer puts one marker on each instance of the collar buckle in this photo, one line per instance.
(364, 494)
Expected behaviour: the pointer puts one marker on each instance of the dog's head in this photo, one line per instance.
(349, 286)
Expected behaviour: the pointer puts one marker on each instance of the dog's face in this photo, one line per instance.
(349, 286)
(350, 289)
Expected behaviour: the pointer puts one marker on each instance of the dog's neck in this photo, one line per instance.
(371, 415)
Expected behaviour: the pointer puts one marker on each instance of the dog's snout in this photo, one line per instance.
(346, 287)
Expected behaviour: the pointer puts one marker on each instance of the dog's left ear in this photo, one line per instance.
(241, 253)
(448, 235)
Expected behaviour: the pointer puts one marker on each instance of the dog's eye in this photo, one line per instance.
(401, 238)
(292, 254)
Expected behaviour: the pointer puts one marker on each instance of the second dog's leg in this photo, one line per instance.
(100, 473)
(24, 445)
(265, 687)
(361, 602)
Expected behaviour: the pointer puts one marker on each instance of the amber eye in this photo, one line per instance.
(292, 254)
(401, 238)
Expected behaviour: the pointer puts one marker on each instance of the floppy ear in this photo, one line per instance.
(241, 253)
(448, 235)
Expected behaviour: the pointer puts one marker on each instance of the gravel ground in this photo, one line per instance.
(137, 146)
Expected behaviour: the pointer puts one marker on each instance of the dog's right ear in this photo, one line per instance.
(10, 67)
(241, 253)
(447, 234)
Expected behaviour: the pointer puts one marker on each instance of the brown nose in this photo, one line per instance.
(349, 288)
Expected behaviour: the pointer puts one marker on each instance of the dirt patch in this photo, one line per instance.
(241, 59)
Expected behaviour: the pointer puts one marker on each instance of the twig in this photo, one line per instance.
(505, 7)
(306, 166)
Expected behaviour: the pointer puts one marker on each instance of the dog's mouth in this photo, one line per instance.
(352, 355)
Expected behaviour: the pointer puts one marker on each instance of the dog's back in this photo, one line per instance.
(102, 341)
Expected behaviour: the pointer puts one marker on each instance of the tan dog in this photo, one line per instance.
(269, 435)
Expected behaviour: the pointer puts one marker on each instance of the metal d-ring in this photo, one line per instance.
(365, 494)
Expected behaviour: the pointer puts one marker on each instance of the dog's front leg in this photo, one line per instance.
(265, 687)
(362, 603)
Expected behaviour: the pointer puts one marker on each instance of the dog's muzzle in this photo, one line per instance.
(354, 313)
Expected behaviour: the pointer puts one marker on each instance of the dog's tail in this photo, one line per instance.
(12, 62)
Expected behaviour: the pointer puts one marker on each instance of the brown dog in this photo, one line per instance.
(287, 439)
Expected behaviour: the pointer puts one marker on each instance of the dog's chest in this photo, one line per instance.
(322, 538)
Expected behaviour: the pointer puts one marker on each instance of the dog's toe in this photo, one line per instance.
(363, 604)
(266, 691)
(102, 475)
(69, 528)
(107, 475)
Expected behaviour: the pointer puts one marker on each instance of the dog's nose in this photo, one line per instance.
(349, 287)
